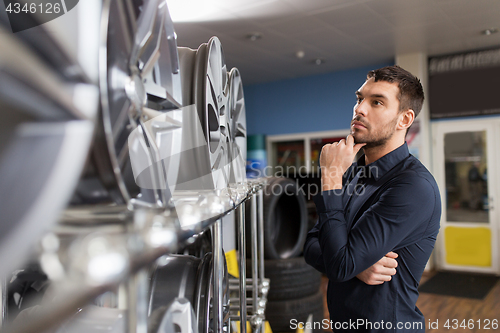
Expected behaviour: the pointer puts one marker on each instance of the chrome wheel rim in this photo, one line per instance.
(46, 133)
(204, 298)
(211, 97)
(238, 127)
(139, 83)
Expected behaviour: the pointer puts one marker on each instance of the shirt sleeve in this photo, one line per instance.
(312, 250)
(405, 204)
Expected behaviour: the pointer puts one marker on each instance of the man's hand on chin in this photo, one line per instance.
(335, 159)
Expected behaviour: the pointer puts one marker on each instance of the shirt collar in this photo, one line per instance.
(381, 166)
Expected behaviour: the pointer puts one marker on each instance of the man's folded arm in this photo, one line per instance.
(404, 205)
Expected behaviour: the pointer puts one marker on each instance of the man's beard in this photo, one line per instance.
(379, 140)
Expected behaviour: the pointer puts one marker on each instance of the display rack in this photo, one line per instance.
(138, 238)
(158, 165)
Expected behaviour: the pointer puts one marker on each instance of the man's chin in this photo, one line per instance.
(357, 139)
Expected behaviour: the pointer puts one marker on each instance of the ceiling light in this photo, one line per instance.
(219, 10)
(195, 11)
(254, 36)
(300, 54)
(489, 31)
(319, 61)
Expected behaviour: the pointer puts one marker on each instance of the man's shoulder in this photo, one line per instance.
(416, 167)
(415, 174)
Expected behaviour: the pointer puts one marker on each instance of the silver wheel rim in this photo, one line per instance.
(138, 71)
(46, 137)
(238, 127)
(204, 297)
(212, 97)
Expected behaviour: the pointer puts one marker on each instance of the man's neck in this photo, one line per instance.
(373, 154)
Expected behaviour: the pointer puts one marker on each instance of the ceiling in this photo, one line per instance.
(344, 33)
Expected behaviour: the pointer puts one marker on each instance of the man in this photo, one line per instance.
(379, 217)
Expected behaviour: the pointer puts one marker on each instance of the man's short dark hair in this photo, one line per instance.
(411, 93)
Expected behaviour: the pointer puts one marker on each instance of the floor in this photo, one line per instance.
(438, 310)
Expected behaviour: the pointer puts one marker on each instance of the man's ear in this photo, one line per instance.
(406, 119)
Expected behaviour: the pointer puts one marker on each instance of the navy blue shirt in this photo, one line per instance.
(392, 204)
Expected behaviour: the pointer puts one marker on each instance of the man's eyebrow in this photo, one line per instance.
(359, 94)
(378, 96)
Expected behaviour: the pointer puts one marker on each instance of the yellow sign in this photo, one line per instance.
(267, 327)
(232, 263)
(468, 246)
(249, 327)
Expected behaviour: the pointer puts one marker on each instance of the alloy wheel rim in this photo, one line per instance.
(133, 75)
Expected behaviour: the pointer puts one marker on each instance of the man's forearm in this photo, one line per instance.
(331, 183)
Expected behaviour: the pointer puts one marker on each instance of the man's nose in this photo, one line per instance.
(360, 109)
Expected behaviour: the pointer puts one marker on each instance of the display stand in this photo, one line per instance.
(137, 239)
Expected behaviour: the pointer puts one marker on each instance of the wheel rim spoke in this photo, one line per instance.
(148, 36)
(123, 156)
(122, 120)
(122, 22)
(241, 131)
(218, 160)
(118, 71)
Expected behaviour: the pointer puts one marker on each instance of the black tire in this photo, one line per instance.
(281, 313)
(290, 278)
(285, 219)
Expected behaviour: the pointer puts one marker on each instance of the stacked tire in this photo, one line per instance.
(294, 292)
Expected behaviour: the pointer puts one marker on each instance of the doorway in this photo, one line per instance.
(465, 167)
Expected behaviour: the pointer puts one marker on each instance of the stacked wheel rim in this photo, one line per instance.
(237, 128)
(138, 80)
(220, 113)
(211, 96)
